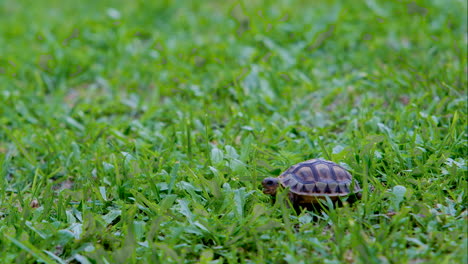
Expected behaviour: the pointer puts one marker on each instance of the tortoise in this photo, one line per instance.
(314, 180)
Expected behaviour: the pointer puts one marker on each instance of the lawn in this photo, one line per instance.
(140, 131)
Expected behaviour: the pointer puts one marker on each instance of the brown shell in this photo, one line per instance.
(317, 177)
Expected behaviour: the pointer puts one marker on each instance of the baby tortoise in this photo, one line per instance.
(314, 180)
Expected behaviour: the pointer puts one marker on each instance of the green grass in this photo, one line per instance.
(139, 131)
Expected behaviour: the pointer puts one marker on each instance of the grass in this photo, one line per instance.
(139, 131)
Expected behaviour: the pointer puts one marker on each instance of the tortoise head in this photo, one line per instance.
(270, 185)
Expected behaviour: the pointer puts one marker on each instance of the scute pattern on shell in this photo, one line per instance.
(318, 177)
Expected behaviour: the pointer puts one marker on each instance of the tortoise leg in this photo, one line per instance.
(294, 199)
(354, 198)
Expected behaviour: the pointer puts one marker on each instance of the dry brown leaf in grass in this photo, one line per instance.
(34, 203)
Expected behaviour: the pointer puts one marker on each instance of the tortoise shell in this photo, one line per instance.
(318, 177)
